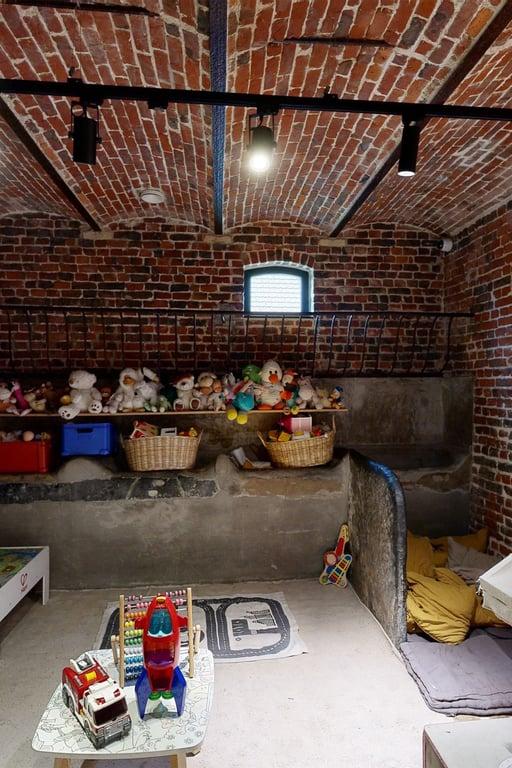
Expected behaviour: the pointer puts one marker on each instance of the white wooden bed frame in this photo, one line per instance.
(22, 581)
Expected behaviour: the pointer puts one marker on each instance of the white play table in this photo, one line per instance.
(20, 569)
(161, 732)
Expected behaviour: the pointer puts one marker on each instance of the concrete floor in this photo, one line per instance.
(348, 702)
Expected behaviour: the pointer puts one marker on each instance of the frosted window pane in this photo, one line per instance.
(275, 292)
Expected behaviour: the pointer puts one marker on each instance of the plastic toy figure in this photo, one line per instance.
(161, 676)
(97, 701)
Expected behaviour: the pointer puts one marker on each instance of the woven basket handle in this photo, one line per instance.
(262, 439)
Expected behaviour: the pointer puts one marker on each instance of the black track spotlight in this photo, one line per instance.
(85, 132)
(261, 146)
(409, 147)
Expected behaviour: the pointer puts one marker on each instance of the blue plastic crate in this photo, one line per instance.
(97, 439)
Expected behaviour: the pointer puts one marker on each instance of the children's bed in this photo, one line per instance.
(20, 569)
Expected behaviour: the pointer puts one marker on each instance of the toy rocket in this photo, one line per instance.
(161, 676)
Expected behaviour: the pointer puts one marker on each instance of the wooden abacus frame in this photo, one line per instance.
(194, 632)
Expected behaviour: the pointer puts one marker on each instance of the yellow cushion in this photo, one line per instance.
(440, 554)
(447, 576)
(476, 541)
(419, 555)
(441, 609)
(484, 617)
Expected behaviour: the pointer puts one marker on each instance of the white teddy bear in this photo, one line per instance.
(148, 389)
(186, 400)
(85, 398)
(125, 397)
(310, 397)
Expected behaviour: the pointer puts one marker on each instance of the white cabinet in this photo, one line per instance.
(482, 743)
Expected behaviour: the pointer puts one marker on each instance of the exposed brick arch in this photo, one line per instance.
(278, 256)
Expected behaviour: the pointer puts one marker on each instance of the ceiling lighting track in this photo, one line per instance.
(160, 98)
(479, 48)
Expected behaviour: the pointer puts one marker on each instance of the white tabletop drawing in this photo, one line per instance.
(161, 732)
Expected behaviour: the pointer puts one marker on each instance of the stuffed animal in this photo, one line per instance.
(186, 400)
(148, 389)
(252, 373)
(125, 397)
(290, 390)
(336, 398)
(36, 400)
(216, 399)
(204, 387)
(7, 399)
(84, 396)
(309, 397)
(268, 393)
(21, 402)
(242, 403)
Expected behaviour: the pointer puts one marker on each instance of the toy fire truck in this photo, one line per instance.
(97, 701)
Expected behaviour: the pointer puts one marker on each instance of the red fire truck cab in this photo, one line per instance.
(96, 700)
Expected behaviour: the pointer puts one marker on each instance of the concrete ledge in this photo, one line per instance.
(113, 489)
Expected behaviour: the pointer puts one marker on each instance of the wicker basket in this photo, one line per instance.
(162, 452)
(301, 453)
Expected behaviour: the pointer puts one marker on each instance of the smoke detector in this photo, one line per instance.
(152, 196)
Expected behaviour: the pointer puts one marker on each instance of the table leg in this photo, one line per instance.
(61, 762)
(179, 760)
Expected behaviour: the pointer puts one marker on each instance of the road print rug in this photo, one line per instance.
(235, 627)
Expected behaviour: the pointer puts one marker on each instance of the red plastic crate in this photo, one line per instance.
(21, 457)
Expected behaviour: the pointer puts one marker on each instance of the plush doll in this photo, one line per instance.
(204, 388)
(336, 398)
(125, 398)
(51, 395)
(148, 389)
(290, 390)
(216, 399)
(21, 402)
(309, 397)
(242, 403)
(252, 373)
(84, 397)
(36, 400)
(7, 399)
(268, 393)
(228, 387)
(186, 400)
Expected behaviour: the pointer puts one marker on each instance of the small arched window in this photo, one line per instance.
(276, 288)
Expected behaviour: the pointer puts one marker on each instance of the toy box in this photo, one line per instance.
(18, 456)
(88, 439)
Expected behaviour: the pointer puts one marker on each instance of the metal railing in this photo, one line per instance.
(374, 343)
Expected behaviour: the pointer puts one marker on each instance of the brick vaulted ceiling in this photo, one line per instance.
(323, 160)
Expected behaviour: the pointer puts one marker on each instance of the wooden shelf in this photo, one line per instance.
(147, 414)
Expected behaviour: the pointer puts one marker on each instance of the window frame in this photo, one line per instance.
(303, 274)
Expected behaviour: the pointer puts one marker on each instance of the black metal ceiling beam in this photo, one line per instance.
(160, 98)
(484, 42)
(34, 150)
(218, 53)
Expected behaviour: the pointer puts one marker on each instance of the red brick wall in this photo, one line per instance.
(157, 265)
(478, 276)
